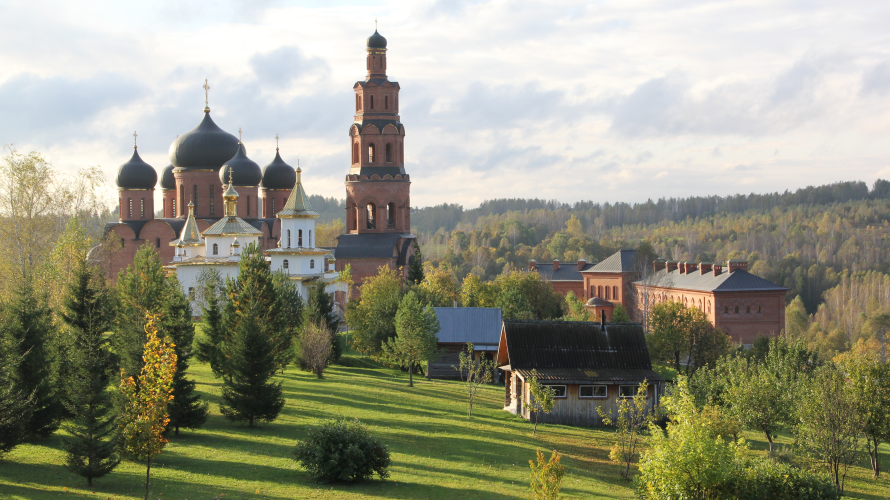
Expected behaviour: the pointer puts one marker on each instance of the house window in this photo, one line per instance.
(191, 293)
(300, 238)
(599, 291)
(212, 205)
(758, 309)
(736, 309)
(215, 249)
(311, 263)
(592, 391)
(288, 238)
(286, 264)
(559, 391)
(614, 293)
(627, 391)
(142, 207)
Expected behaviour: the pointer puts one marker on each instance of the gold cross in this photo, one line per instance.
(239, 134)
(206, 90)
(375, 24)
(276, 142)
(134, 139)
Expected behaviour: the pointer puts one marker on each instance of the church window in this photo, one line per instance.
(358, 103)
(142, 207)
(599, 291)
(215, 249)
(212, 205)
(310, 239)
(758, 309)
(402, 152)
(248, 205)
(195, 195)
(725, 309)
(130, 203)
(158, 242)
(372, 216)
(371, 151)
(286, 264)
(736, 309)
(396, 102)
(386, 102)
(288, 238)
(355, 158)
(608, 294)
(173, 208)
(120, 207)
(709, 307)
(748, 309)
(300, 238)
(182, 197)
(372, 102)
(389, 153)
(273, 206)
(391, 216)
(122, 242)
(311, 263)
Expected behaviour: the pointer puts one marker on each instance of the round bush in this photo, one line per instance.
(342, 451)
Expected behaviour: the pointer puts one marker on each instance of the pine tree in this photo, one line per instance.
(415, 340)
(292, 308)
(255, 333)
(320, 311)
(209, 345)
(27, 321)
(89, 314)
(15, 405)
(175, 325)
(141, 288)
(415, 269)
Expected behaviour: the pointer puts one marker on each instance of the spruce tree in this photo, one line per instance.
(175, 325)
(27, 322)
(293, 309)
(320, 311)
(88, 311)
(141, 288)
(208, 346)
(255, 330)
(415, 269)
(15, 405)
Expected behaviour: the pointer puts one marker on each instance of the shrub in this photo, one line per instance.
(765, 478)
(546, 476)
(342, 451)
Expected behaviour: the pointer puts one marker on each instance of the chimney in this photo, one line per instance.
(555, 265)
(682, 267)
(532, 265)
(704, 268)
(691, 267)
(658, 264)
(718, 268)
(671, 265)
(734, 264)
(581, 264)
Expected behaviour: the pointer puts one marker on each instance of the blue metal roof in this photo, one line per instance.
(479, 325)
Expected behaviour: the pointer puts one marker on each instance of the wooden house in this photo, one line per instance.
(458, 325)
(589, 365)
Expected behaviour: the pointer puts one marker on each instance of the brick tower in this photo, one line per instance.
(378, 214)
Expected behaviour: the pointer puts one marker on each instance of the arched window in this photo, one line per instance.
(195, 196)
(372, 216)
(402, 152)
(311, 263)
(213, 205)
(288, 237)
(355, 158)
(371, 102)
(608, 293)
(130, 204)
(173, 211)
(158, 242)
(615, 293)
(358, 103)
(182, 197)
(758, 309)
(709, 307)
(389, 153)
(386, 102)
(285, 264)
(391, 216)
(300, 238)
(248, 206)
(215, 249)
(748, 309)
(371, 155)
(599, 291)
(122, 242)
(736, 309)
(309, 243)
(142, 207)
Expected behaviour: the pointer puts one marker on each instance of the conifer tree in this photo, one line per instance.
(208, 347)
(141, 288)
(255, 332)
(15, 405)
(175, 325)
(291, 305)
(89, 314)
(415, 270)
(320, 311)
(27, 322)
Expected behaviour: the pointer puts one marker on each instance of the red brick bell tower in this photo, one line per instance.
(378, 213)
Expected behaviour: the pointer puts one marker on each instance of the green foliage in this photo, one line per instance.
(527, 296)
(546, 476)
(315, 347)
(415, 340)
(576, 310)
(141, 289)
(320, 312)
(15, 404)
(256, 339)
(175, 325)
(476, 293)
(541, 398)
(26, 321)
(415, 269)
(89, 308)
(372, 317)
(677, 332)
(633, 418)
(438, 289)
(474, 373)
(767, 479)
(342, 451)
(292, 305)
(619, 314)
(208, 347)
(796, 318)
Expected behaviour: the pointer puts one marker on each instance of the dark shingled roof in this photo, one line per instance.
(373, 246)
(574, 350)
(167, 180)
(376, 41)
(622, 261)
(278, 174)
(244, 171)
(136, 174)
(568, 271)
(206, 146)
(479, 325)
(736, 281)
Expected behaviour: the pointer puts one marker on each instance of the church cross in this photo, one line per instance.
(206, 88)
(239, 134)
(134, 139)
(276, 142)
(375, 24)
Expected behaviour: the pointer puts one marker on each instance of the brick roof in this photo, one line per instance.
(736, 281)
(568, 271)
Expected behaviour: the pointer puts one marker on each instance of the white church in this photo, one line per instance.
(219, 246)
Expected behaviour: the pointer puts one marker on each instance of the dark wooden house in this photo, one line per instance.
(589, 365)
(458, 325)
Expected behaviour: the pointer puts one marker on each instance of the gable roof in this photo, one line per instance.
(479, 325)
(622, 261)
(568, 271)
(231, 226)
(736, 281)
(297, 205)
(575, 350)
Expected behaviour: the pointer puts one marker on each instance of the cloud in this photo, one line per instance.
(876, 80)
(286, 65)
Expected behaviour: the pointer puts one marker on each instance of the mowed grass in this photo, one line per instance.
(437, 451)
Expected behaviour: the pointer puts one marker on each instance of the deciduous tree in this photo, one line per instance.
(541, 398)
(633, 418)
(683, 337)
(415, 340)
(315, 347)
(372, 317)
(546, 476)
(474, 373)
(141, 288)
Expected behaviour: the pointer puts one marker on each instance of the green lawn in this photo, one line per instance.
(437, 452)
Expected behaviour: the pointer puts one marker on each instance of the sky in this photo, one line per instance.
(606, 101)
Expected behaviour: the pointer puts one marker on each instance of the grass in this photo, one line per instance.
(437, 451)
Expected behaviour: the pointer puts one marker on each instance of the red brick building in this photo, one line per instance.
(565, 278)
(378, 203)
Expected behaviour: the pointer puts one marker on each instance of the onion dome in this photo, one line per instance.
(278, 174)
(136, 174)
(167, 180)
(376, 41)
(205, 147)
(241, 170)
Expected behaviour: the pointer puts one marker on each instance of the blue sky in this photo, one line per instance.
(607, 100)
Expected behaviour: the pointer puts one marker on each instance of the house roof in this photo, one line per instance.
(568, 271)
(479, 325)
(622, 261)
(373, 246)
(577, 350)
(736, 281)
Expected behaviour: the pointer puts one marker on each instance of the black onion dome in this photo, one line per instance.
(245, 172)
(206, 146)
(279, 175)
(167, 180)
(136, 174)
(376, 41)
